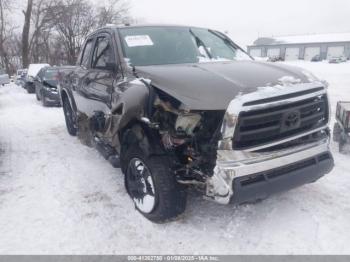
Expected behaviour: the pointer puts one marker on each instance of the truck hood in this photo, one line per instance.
(212, 86)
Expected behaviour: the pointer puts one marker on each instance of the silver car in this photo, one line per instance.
(4, 78)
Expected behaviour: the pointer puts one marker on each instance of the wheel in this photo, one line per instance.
(69, 118)
(37, 95)
(152, 186)
(336, 132)
(44, 100)
(30, 89)
(344, 145)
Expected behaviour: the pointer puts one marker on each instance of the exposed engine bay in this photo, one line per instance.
(191, 137)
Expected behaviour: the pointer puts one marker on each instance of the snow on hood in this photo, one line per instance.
(212, 86)
(34, 69)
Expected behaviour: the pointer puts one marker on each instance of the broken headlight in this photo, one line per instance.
(187, 123)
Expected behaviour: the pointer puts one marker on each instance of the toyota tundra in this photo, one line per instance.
(180, 108)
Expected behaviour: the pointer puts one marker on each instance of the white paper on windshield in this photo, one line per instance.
(138, 40)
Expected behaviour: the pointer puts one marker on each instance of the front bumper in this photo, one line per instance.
(52, 96)
(256, 177)
(259, 186)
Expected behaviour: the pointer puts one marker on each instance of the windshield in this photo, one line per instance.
(51, 75)
(144, 46)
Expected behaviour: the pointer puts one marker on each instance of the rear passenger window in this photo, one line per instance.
(86, 55)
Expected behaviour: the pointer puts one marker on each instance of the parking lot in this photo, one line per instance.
(58, 196)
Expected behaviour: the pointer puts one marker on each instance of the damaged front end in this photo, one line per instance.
(265, 142)
(274, 139)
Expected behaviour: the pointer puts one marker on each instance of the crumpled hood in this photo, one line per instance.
(212, 86)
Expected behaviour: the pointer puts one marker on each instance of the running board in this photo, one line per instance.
(108, 152)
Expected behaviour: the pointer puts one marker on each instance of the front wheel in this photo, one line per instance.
(152, 186)
(69, 118)
(44, 101)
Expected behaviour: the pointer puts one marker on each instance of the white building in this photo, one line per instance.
(302, 46)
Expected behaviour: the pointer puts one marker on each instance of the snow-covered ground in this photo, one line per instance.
(58, 196)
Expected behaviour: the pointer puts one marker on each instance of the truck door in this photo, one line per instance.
(101, 77)
(78, 77)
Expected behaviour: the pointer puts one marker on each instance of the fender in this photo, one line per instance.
(145, 137)
(69, 94)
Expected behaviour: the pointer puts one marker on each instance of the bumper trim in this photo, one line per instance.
(219, 186)
(261, 185)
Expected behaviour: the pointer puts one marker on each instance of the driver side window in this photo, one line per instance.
(103, 53)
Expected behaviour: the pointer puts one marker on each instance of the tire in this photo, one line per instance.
(158, 197)
(30, 89)
(344, 145)
(44, 100)
(37, 96)
(69, 118)
(336, 132)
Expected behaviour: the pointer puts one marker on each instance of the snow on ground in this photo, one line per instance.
(60, 197)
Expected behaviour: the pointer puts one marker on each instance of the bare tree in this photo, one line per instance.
(74, 20)
(114, 12)
(25, 33)
(53, 30)
(42, 26)
(3, 28)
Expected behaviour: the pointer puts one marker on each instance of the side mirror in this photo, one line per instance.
(111, 66)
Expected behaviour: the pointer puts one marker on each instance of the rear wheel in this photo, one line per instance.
(152, 186)
(37, 96)
(30, 89)
(336, 132)
(69, 118)
(344, 145)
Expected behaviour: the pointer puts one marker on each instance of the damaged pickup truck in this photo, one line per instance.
(184, 107)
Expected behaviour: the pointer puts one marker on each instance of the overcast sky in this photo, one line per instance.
(245, 20)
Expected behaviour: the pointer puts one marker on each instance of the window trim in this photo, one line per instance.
(92, 40)
(109, 38)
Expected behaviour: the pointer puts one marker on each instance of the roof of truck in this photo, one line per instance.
(147, 25)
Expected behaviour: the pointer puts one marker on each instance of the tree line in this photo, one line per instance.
(52, 30)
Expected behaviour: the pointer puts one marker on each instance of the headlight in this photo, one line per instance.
(231, 119)
(187, 122)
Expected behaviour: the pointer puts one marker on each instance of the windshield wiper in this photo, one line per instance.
(201, 43)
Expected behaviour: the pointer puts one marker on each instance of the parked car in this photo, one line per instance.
(33, 70)
(46, 86)
(316, 58)
(4, 78)
(337, 60)
(181, 108)
(275, 59)
(341, 129)
(21, 75)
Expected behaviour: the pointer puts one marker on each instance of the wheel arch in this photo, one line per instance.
(66, 94)
(137, 132)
